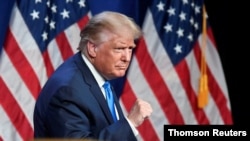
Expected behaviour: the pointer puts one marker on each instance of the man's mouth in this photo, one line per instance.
(122, 67)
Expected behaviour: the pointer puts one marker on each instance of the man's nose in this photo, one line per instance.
(126, 55)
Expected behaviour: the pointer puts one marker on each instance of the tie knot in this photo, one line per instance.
(106, 85)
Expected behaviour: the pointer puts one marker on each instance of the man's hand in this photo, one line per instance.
(140, 111)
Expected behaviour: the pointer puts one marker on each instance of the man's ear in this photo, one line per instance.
(91, 48)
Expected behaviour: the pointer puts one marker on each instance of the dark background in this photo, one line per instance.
(228, 22)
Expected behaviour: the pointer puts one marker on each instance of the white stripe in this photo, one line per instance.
(54, 54)
(27, 44)
(167, 71)
(73, 36)
(213, 113)
(142, 90)
(7, 130)
(16, 86)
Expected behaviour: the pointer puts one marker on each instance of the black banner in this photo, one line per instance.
(171, 131)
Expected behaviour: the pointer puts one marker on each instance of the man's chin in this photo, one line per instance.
(120, 73)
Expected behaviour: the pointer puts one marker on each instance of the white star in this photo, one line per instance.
(192, 4)
(81, 3)
(168, 27)
(46, 19)
(45, 36)
(52, 25)
(171, 11)
(180, 32)
(48, 3)
(160, 6)
(53, 8)
(197, 10)
(67, 1)
(185, 1)
(65, 14)
(36, 1)
(196, 26)
(182, 16)
(35, 15)
(177, 49)
(190, 37)
(191, 20)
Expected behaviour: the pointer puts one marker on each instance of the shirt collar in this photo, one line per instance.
(97, 76)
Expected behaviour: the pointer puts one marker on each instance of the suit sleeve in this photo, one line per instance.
(76, 116)
(120, 130)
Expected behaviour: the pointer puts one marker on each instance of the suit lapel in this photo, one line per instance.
(102, 102)
(94, 87)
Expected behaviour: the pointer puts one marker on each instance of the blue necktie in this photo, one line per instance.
(110, 99)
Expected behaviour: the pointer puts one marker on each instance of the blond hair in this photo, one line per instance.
(107, 20)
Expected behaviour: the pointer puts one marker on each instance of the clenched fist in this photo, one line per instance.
(139, 112)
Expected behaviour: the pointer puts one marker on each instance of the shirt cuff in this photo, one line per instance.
(135, 131)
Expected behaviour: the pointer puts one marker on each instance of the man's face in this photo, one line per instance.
(114, 55)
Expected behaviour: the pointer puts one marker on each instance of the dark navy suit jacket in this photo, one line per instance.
(71, 105)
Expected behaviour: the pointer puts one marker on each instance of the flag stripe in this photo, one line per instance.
(14, 112)
(63, 45)
(73, 39)
(19, 60)
(220, 101)
(54, 55)
(12, 80)
(82, 22)
(7, 129)
(48, 64)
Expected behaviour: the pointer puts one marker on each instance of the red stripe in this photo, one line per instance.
(48, 64)
(219, 99)
(146, 130)
(157, 84)
(64, 46)
(15, 113)
(21, 64)
(211, 37)
(184, 76)
(83, 21)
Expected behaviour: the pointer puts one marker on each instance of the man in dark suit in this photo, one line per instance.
(72, 103)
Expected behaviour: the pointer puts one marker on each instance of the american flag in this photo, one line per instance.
(165, 70)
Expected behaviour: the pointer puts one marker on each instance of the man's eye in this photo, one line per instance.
(123, 49)
(131, 48)
(119, 49)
